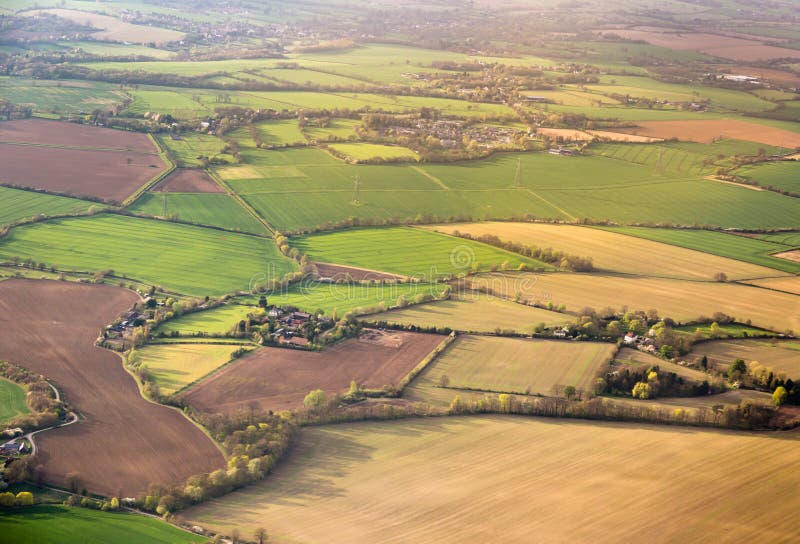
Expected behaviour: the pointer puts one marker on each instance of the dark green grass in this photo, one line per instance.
(59, 524)
(783, 175)
(407, 251)
(183, 258)
(16, 204)
(217, 210)
(12, 401)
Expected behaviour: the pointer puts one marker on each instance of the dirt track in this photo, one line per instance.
(279, 379)
(187, 181)
(125, 442)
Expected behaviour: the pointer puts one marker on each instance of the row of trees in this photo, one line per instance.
(747, 415)
(559, 259)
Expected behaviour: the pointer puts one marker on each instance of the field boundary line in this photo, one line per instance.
(534, 193)
(431, 177)
(428, 360)
(155, 179)
(140, 387)
(238, 198)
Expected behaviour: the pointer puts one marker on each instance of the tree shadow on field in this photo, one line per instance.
(323, 460)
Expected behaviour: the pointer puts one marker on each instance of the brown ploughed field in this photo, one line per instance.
(185, 180)
(58, 133)
(727, 47)
(122, 442)
(335, 271)
(76, 160)
(279, 379)
(706, 131)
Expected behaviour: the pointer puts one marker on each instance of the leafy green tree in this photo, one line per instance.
(261, 535)
(569, 391)
(737, 369)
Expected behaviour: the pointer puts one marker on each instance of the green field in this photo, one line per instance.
(727, 330)
(282, 132)
(16, 204)
(174, 366)
(787, 239)
(12, 401)
(64, 97)
(742, 248)
(783, 175)
(344, 298)
(59, 524)
(510, 365)
(219, 320)
(337, 129)
(194, 103)
(470, 479)
(182, 258)
(721, 99)
(298, 189)
(407, 251)
(363, 151)
(216, 210)
(190, 147)
(472, 312)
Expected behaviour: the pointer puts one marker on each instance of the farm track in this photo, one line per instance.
(125, 442)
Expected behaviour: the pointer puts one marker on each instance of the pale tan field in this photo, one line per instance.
(622, 137)
(511, 365)
(641, 360)
(615, 252)
(114, 29)
(790, 284)
(565, 134)
(781, 356)
(680, 300)
(473, 313)
(793, 255)
(519, 480)
(706, 131)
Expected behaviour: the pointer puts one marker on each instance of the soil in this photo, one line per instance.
(279, 378)
(123, 442)
(186, 180)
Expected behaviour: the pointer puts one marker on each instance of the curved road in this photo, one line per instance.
(72, 417)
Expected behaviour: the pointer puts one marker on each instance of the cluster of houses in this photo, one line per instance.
(453, 132)
(126, 325)
(642, 343)
(12, 450)
(290, 326)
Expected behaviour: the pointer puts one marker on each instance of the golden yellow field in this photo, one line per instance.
(615, 252)
(519, 480)
(510, 365)
(680, 300)
(472, 312)
(789, 284)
